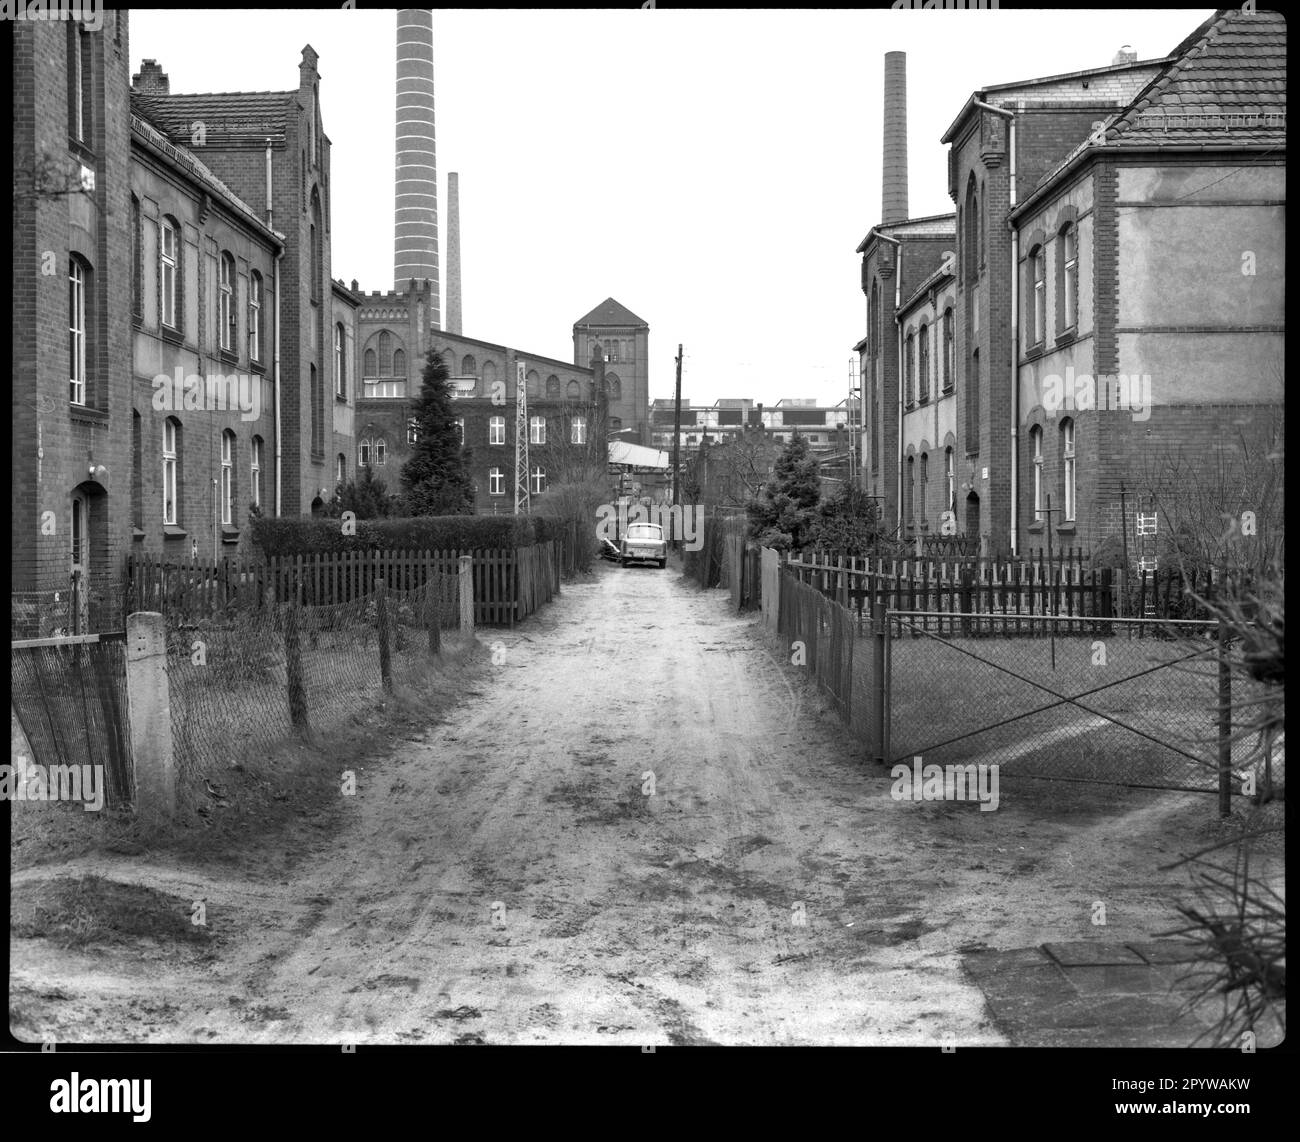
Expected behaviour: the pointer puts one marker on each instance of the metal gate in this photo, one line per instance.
(1136, 702)
(69, 695)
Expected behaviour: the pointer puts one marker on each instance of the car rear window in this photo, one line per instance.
(645, 531)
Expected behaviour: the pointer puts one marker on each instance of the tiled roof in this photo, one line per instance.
(936, 225)
(610, 312)
(259, 113)
(1224, 87)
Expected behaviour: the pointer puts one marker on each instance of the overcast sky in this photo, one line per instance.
(712, 170)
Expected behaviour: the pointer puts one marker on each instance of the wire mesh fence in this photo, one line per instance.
(241, 682)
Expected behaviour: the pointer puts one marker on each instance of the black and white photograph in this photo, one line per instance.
(645, 529)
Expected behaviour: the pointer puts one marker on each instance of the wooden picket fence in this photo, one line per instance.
(508, 584)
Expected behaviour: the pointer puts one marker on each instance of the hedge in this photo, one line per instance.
(303, 536)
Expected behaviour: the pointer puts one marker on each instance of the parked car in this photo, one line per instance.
(644, 543)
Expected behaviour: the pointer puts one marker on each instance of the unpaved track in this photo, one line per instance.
(506, 879)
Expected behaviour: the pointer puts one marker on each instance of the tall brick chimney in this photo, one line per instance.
(415, 240)
(893, 204)
(150, 79)
(453, 252)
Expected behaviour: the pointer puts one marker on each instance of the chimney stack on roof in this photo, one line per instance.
(893, 204)
(151, 79)
(1126, 54)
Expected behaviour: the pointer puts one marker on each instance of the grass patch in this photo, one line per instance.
(76, 912)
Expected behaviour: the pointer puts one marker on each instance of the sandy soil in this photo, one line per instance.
(508, 878)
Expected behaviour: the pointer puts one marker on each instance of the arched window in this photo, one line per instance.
(468, 366)
(399, 362)
(372, 364)
(317, 238)
(947, 350)
(227, 476)
(363, 452)
(385, 354)
(984, 220)
(1038, 301)
(449, 359)
(972, 241)
(381, 450)
(489, 377)
(909, 369)
(532, 384)
(1036, 445)
(1067, 470)
(226, 302)
(340, 470)
(78, 301)
(255, 316)
(1067, 312)
(910, 499)
(923, 365)
(553, 387)
(572, 391)
(317, 412)
(614, 386)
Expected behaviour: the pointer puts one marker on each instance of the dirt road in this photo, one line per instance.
(640, 828)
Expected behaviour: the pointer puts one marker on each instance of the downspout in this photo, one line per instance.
(275, 371)
(898, 327)
(1015, 319)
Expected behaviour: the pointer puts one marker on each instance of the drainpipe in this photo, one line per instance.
(898, 327)
(275, 371)
(1015, 321)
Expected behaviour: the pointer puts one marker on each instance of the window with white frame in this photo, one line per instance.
(537, 430)
(1038, 269)
(340, 363)
(1067, 469)
(381, 451)
(1069, 276)
(1036, 440)
(363, 452)
(255, 316)
(496, 482)
(496, 430)
(169, 259)
(227, 476)
(950, 481)
(76, 331)
(255, 470)
(171, 471)
(578, 430)
(537, 481)
(226, 302)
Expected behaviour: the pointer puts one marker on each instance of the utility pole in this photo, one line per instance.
(677, 424)
(522, 500)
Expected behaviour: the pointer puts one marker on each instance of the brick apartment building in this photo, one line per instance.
(1103, 219)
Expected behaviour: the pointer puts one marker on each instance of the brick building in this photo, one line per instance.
(623, 339)
(1086, 207)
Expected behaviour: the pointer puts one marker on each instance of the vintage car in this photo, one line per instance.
(644, 543)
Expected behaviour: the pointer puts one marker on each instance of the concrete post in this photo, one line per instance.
(149, 716)
(467, 596)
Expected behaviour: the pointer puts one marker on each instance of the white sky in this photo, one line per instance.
(712, 170)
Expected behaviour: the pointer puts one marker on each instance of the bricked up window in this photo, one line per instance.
(553, 387)
(77, 289)
(137, 255)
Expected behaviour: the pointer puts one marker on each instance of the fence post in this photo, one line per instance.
(1225, 723)
(880, 696)
(149, 716)
(466, 596)
(293, 667)
(381, 618)
(433, 587)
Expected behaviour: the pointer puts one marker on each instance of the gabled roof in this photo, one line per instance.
(610, 312)
(1224, 87)
(932, 226)
(259, 113)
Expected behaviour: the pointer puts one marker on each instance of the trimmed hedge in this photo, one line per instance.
(303, 536)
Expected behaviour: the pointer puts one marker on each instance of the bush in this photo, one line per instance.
(300, 536)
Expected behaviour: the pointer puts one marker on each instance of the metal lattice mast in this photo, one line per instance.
(521, 441)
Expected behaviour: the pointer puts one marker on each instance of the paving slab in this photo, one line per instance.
(1086, 952)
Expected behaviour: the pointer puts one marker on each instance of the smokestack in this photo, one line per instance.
(415, 240)
(453, 252)
(893, 204)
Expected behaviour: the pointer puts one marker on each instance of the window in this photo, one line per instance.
(910, 500)
(363, 453)
(497, 430)
(226, 302)
(385, 354)
(412, 431)
(255, 316)
(170, 273)
(317, 412)
(496, 482)
(614, 387)
(317, 236)
(909, 369)
(468, 366)
(137, 475)
(399, 363)
(1067, 468)
(971, 239)
(1068, 315)
(537, 481)
(947, 349)
(553, 387)
(371, 364)
(611, 350)
(1036, 442)
(1038, 271)
(381, 451)
(973, 406)
(76, 331)
(340, 368)
(950, 481)
(572, 392)
(80, 86)
(532, 384)
(340, 469)
(537, 430)
(460, 429)
(171, 470)
(923, 339)
(137, 272)
(227, 476)
(578, 430)
(255, 470)
(925, 469)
